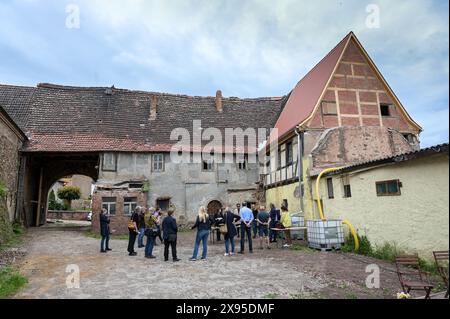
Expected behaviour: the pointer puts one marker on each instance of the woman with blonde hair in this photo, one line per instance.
(203, 225)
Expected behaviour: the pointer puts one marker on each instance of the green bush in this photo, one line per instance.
(365, 247)
(2, 190)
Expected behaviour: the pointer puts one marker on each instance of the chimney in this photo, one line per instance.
(153, 107)
(219, 102)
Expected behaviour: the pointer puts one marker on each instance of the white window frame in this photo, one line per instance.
(158, 163)
(129, 211)
(109, 204)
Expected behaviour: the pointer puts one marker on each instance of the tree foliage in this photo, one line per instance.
(69, 193)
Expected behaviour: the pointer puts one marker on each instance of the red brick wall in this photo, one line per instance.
(119, 221)
(354, 77)
(67, 215)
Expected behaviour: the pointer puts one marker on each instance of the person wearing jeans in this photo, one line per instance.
(203, 225)
(230, 218)
(151, 231)
(246, 227)
(141, 227)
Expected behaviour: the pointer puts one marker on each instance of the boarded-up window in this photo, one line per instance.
(388, 188)
(329, 108)
(109, 162)
(330, 188)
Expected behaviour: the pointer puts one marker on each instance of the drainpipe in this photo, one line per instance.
(300, 139)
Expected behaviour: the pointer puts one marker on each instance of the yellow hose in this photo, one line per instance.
(354, 233)
(319, 205)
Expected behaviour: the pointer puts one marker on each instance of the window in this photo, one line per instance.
(286, 204)
(385, 109)
(410, 138)
(347, 191)
(109, 203)
(242, 162)
(158, 163)
(289, 154)
(208, 165)
(330, 188)
(329, 108)
(109, 162)
(389, 188)
(129, 205)
(163, 204)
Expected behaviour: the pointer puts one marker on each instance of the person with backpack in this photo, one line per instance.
(133, 230)
(230, 231)
(151, 231)
(203, 225)
(170, 230)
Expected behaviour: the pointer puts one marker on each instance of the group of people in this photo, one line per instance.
(240, 222)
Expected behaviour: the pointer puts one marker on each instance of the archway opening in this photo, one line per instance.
(214, 207)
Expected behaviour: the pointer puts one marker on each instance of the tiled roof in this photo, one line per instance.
(307, 92)
(84, 119)
(16, 100)
(429, 151)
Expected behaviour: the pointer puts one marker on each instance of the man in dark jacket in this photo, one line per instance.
(104, 231)
(133, 232)
(275, 217)
(170, 230)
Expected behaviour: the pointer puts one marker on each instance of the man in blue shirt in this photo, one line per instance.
(246, 227)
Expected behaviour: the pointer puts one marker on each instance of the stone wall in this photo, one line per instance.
(186, 185)
(346, 146)
(10, 144)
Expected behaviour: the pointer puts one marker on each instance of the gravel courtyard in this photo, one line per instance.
(275, 273)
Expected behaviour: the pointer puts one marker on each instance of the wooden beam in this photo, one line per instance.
(38, 215)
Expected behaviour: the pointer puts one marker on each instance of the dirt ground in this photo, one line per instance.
(275, 273)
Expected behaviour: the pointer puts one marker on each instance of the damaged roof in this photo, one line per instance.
(86, 119)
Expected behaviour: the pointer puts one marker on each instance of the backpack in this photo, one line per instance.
(131, 225)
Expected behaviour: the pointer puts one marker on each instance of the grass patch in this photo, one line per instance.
(15, 239)
(112, 237)
(10, 282)
(387, 251)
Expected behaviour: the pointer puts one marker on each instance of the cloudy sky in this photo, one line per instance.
(246, 48)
